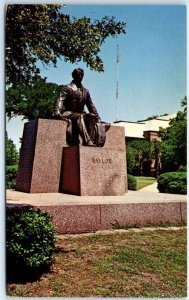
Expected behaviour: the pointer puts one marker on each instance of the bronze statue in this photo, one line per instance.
(70, 106)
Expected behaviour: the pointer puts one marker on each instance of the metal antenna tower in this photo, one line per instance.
(117, 82)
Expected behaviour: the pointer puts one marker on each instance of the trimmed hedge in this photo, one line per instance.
(11, 173)
(30, 241)
(132, 182)
(173, 183)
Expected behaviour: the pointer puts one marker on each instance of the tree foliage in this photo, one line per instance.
(11, 174)
(173, 145)
(139, 155)
(42, 32)
(33, 100)
(131, 155)
(11, 152)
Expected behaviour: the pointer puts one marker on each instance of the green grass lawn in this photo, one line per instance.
(130, 264)
(144, 181)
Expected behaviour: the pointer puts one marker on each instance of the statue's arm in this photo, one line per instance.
(60, 105)
(91, 107)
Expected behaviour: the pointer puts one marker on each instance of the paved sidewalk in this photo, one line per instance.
(115, 231)
(45, 199)
(150, 188)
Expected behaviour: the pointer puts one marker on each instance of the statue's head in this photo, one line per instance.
(77, 75)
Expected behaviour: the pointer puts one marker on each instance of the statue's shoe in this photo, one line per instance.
(90, 144)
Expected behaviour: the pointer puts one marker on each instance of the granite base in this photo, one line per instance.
(93, 171)
(41, 155)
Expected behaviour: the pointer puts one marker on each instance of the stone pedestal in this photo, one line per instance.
(86, 170)
(92, 171)
(41, 156)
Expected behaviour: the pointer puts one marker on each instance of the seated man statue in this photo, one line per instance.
(70, 105)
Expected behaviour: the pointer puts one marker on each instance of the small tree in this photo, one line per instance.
(131, 159)
(11, 152)
(139, 155)
(33, 100)
(173, 141)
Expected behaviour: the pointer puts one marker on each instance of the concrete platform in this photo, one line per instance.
(78, 214)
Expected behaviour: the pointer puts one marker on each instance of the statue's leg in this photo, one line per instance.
(75, 130)
(90, 122)
(79, 128)
(84, 132)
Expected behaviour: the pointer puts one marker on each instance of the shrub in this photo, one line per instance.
(132, 182)
(173, 183)
(182, 169)
(11, 173)
(30, 241)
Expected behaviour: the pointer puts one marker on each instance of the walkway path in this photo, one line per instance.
(114, 231)
(150, 188)
(48, 199)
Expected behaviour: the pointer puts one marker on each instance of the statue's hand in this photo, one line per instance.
(98, 119)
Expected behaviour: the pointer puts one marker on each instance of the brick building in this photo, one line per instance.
(146, 130)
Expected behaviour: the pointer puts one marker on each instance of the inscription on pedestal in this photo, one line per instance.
(97, 160)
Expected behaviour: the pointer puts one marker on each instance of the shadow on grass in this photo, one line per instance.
(17, 275)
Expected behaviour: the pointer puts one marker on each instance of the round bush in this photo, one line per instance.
(30, 240)
(173, 183)
(132, 182)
